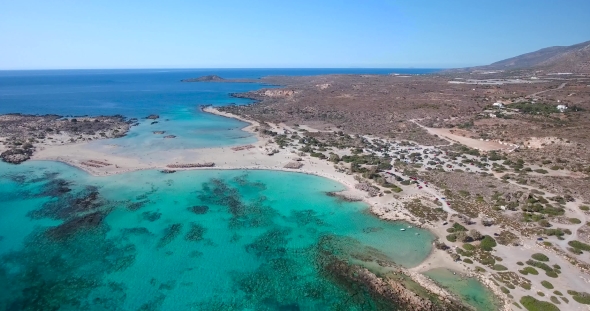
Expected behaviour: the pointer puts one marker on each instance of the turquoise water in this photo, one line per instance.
(192, 240)
(470, 290)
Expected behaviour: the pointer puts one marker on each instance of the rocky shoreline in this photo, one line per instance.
(21, 134)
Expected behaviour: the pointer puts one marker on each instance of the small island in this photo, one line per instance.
(208, 78)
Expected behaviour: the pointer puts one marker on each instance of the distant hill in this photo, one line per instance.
(573, 58)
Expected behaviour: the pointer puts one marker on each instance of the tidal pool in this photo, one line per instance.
(201, 240)
(470, 290)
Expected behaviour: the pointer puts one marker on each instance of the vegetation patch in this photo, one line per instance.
(547, 284)
(533, 304)
(540, 257)
(499, 268)
(579, 245)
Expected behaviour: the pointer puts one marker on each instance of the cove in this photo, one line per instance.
(200, 240)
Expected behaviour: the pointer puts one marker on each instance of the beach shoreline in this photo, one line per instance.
(256, 158)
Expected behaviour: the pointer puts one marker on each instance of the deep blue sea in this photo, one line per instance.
(193, 240)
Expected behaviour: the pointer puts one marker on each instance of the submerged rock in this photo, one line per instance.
(199, 209)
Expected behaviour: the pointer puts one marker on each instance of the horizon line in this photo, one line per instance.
(221, 68)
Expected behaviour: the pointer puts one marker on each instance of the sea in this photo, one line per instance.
(192, 240)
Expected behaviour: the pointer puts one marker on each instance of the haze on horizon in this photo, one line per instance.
(72, 34)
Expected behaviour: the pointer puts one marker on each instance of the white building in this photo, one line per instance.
(561, 108)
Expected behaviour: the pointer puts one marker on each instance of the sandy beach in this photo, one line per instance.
(101, 162)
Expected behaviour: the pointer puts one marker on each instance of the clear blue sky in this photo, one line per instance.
(64, 34)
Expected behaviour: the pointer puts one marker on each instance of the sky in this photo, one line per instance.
(73, 34)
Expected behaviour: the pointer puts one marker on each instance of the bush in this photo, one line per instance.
(504, 290)
(584, 207)
(526, 286)
(579, 245)
(529, 270)
(555, 300)
(468, 247)
(547, 284)
(451, 237)
(499, 268)
(532, 304)
(583, 298)
(541, 294)
(520, 263)
(540, 257)
(551, 274)
(558, 293)
(488, 243)
(575, 221)
(467, 260)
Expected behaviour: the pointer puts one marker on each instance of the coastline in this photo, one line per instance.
(257, 159)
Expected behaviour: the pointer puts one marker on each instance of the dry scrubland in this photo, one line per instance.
(517, 216)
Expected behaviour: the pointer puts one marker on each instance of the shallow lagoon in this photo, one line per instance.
(470, 290)
(203, 240)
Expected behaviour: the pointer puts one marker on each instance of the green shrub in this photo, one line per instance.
(529, 270)
(540, 257)
(517, 305)
(579, 245)
(551, 274)
(584, 207)
(572, 292)
(526, 286)
(541, 294)
(532, 304)
(479, 269)
(583, 298)
(575, 221)
(487, 243)
(547, 284)
(565, 299)
(452, 237)
(555, 300)
(575, 251)
(468, 247)
(499, 268)
(504, 290)
(467, 260)
(558, 293)
(520, 263)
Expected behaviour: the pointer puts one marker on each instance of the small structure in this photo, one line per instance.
(498, 105)
(561, 108)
